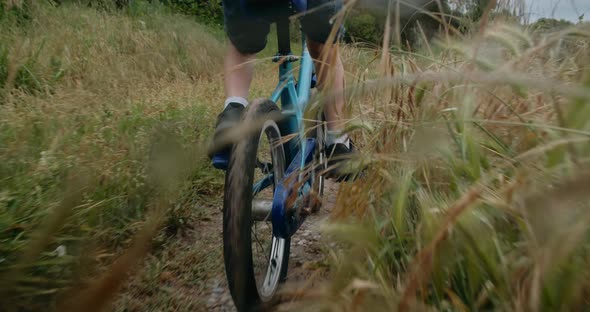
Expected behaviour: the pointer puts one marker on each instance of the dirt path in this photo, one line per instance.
(188, 273)
(306, 252)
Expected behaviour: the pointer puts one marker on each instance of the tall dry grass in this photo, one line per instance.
(475, 197)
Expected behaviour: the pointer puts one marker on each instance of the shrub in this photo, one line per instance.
(550, 25)
(207, 11)
(367, 23)
(363, 27)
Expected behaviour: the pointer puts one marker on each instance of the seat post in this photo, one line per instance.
(284, 39)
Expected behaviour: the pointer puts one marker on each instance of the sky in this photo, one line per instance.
(566, 9)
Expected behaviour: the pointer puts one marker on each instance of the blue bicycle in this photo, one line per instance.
(272, 181)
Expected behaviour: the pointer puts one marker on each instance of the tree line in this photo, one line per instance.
(366, 22)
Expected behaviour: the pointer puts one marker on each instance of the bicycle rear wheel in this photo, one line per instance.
(320, 164)
(255, 260)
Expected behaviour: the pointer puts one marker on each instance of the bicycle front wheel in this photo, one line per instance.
(255, 259)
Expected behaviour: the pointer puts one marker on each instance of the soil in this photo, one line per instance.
(188, 274)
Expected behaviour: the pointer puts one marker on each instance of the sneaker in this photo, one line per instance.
(228, 118)
(338, 155)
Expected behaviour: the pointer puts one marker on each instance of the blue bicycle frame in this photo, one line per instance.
(294, 96)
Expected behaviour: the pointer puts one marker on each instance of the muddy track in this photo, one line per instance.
(187, 273)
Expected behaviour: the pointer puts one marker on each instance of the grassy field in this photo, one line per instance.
(476, 196)
(102, 116)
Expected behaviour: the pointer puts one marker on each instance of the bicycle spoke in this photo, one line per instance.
(265, 167)
(263, 183)
(266, 249)
(259, 243)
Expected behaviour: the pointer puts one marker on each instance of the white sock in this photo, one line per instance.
(235, 99)
(337, 136)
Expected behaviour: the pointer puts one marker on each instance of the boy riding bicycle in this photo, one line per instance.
(247, 37)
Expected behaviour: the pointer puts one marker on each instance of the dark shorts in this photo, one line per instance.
(249, 34)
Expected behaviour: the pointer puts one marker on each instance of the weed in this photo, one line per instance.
(471, 201)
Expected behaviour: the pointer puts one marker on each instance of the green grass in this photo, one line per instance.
(475, 197)
(101, 117)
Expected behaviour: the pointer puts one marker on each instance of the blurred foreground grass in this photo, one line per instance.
(475, 199)
(477, 194)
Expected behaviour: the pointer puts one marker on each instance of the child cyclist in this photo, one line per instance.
(248, 36)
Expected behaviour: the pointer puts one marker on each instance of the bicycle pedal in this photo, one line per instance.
(220, 161)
